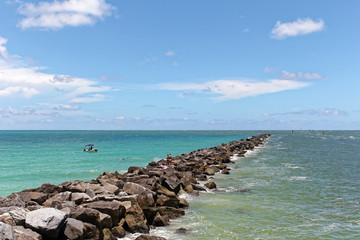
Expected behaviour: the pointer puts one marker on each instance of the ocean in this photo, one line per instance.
(298, 185)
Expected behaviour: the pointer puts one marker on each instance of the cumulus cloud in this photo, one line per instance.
(300, 75)
(235, 89)
(299, 27)
(17, 80)
(59, 14)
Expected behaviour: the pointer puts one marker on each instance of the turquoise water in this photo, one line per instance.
(31, 158)
(302, 185)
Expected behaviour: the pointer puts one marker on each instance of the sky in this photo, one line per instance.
(179, 65)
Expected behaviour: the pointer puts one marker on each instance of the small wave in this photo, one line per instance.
(297, 178)
(233, 189)
(292, 166)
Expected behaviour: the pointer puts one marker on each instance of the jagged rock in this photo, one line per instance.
(74, 229)
(171, 183)
(118, 232)
(148, 237)
(75, 186)
(6, 232)
(159, 220)
(145, 199)
(114, 209)
(37, 197)
(210, 185)
(133, 169)
(12, 200)
(22, 233)
(135, 220)
(79, 198)
(60, 197)
(170, 200)
(105, 221)
(170, 212)
(14, 216)
(211, 170)
(91, 232)
(225, 171)
(86, 215)
(96, 189)
(46, 188)
(133, 188)
(47, 221)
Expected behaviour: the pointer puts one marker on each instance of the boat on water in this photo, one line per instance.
(90, 148)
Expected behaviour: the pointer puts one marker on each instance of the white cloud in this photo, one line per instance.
(3, 51)
(328, 112)
(299, 27)
(235, 89)
(58, 14)
(26, 82)
(300, 75)
(66, 107)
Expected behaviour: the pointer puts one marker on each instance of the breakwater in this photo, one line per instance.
(113, 204)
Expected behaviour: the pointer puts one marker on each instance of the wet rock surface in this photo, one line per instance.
(114, 204)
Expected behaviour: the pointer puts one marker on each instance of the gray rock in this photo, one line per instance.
(22, 233)
(6, 232)
(14, 216)
(74, 229)
(46, 221)
(114, 209)
(60, 197)
(133, 188)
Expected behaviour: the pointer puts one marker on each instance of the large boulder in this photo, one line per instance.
(145, 199)
(114, 209)
(37, 197)
(75, 186)
(172, 183)
(46, 221)
(133, 188)
(12, 200)
(171, 212)
(211, 170)
(60, 197)
(14, 216)
(135, 220)
(22, 233)
(6, 232)
(79, 198)
(86, 215)
(74, 229)
(210, 185)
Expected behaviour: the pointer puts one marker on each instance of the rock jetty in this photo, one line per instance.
(114, 204)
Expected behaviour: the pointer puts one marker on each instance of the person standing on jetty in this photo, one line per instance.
(168, 159)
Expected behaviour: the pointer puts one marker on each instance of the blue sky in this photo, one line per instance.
(205, 64)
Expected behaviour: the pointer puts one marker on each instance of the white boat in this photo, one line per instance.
(90, 148)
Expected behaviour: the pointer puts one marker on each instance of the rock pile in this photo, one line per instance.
(113, 204)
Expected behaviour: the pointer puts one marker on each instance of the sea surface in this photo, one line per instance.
(299, 185)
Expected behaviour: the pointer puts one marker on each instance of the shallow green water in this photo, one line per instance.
(304, 185)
